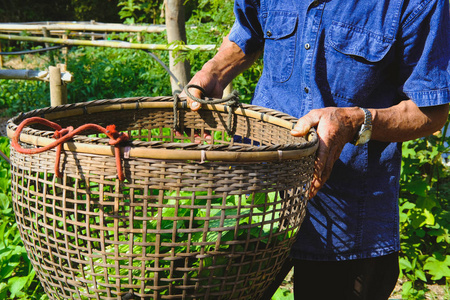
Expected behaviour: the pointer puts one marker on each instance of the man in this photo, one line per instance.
(324, 61)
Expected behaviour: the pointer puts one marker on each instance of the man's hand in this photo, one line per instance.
(335, 127)
(338, 126)
(209, 83)
(219, 71)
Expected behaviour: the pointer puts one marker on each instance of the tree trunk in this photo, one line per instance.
(176, 31)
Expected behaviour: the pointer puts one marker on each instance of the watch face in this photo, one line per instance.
(364, 137)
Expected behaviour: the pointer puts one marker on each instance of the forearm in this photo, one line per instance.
(407, 121)
(228, 62)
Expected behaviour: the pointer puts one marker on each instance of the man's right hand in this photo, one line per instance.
(209, 83)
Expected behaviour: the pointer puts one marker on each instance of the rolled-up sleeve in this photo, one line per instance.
(246, 31)
(425, 58)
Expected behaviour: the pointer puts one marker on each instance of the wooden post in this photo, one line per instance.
(58, 90)
(176, 31)
(63, 69)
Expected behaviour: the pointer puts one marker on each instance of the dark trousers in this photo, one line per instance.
(361, 279)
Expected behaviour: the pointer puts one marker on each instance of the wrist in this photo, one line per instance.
(363, 127)
(215, 72)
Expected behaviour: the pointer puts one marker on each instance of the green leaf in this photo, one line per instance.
(429, 218)
(426, 202)
(283, 294)
(444, 237)
(420, 274)
(3, 290)
(405, 264)
(5, 201)
(406, 289)
(16, 284)
(438, 268)
(8, 270)
(419, 187)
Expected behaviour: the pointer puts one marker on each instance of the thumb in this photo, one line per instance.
(197, 93)
(305, 123)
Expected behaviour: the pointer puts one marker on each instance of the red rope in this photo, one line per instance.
(62, 135)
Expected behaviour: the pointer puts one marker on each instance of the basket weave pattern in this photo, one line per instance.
(182, 228)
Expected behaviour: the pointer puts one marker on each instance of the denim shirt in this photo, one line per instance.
(364, 53)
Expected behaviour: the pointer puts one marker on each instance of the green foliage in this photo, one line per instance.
(424, 214)
(17, 277)
(22, 95)
(141, 11)
(106, 73)
(283, 294)
(210, 22)
(62, 10)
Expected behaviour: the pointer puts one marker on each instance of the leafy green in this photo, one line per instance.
(17, 278)
(424, 213)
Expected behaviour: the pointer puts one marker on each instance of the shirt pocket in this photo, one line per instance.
(356, 60)
(280, 33)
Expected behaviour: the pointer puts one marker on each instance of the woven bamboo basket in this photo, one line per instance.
(202, 212)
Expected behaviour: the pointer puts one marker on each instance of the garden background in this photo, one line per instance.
(106, 73)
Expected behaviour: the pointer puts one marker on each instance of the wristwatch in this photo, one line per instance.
(365, 132)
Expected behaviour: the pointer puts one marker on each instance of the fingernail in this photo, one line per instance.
(195, 105)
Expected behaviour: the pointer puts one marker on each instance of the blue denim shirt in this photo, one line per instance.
(364, 53)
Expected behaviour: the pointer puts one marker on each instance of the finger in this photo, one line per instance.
(323, 167)
(194, 105)
(178, 134)
(322, 156)
(207, 138)
(305, 123)
(315, 187)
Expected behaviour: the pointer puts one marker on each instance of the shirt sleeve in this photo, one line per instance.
(425, 67)
(246, 31)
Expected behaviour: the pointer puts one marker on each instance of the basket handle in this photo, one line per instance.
(231, 100)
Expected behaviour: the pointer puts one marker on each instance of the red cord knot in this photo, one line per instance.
(62, 135)
(115, 136)
(58, 135)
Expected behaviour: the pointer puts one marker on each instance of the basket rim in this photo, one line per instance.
(161, 150)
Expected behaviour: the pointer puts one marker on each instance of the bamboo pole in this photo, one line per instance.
(32, 75)
(110, 44)
(105, 27)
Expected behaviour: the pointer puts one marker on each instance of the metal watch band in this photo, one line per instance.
(365, 131)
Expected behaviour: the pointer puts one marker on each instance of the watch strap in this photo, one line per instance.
(366, 126)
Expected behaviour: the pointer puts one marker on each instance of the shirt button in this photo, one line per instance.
(307, 46)
(269, 33)
(306, 89)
